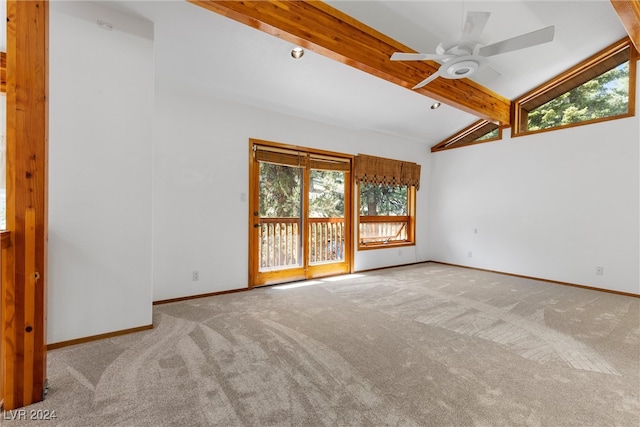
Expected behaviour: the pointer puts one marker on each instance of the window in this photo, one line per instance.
(479, 132)
(600, 88)
(385, 215)
(387, 192)
(491, 135)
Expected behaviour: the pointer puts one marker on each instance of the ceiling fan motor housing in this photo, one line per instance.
(458, 48)
(463, 66)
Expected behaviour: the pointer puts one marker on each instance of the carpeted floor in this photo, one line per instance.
(423, 345)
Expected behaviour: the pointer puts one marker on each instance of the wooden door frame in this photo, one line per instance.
(254, 203)
(24, 257)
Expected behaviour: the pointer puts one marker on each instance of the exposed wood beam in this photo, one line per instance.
(317, 26)
(629, 13)
(24, 262)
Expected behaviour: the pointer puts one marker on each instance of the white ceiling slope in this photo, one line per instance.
(213, 54)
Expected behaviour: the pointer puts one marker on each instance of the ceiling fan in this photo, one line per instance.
(466, 56)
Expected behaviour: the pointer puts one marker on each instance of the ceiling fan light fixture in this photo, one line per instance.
(297, 52)
(462, 69)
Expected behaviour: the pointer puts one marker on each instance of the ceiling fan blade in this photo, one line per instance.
(474, 25)
(486, 75)
(399, 56)
(428, 80)
(519, 42)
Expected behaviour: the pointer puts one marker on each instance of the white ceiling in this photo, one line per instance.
(210, 53)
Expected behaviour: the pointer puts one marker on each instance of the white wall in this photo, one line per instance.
(100, 131)
(553, 205)
(201, 184)
(137, 202)
(132, 214)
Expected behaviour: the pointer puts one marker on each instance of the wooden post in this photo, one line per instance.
(24, 261)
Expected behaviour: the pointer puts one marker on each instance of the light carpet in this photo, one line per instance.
(422, 345)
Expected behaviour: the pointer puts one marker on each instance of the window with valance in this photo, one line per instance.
(387, 192)
(382, 171)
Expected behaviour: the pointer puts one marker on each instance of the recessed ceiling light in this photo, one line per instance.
(435, 105)
(297, 52)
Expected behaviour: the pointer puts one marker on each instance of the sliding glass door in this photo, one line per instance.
(300, 202)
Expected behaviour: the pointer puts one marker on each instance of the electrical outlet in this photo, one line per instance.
(470, 254)
(196, 276)
(599, 270)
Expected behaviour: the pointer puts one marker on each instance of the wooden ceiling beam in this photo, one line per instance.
(629, 13)
(325, 30)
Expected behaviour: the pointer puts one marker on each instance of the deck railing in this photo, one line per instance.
(326, 240)
(383, 229)
(280, 241)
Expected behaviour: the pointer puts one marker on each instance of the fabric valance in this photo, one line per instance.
(382, 171)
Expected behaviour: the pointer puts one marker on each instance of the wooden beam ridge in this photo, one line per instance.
(24, 261)
(629, 13)
(323, 29)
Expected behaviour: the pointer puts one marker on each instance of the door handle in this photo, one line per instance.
(256, 225)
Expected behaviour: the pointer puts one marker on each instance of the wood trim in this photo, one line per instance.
(390, 245)
(3, 72)
(24, 272)
(555, 282)
(253, 201)
(368, 270)
(211, 294)
(468, 136)
(388, 218)
(84, 340)
(7, 357)
(325, 30)
(5, 239)
(520, 112)
(634, 55)
(629, 13)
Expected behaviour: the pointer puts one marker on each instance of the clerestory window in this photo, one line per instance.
(600, 88)
(477, 133)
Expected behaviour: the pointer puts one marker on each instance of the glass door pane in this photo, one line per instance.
(300, 215)
(280, 217)
(326, 216)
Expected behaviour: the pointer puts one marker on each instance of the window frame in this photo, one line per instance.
(409, 219)
(469, 136)
(583, 72)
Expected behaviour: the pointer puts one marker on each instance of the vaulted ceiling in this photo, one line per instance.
(240, 51)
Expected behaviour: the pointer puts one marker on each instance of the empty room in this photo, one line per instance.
(408, 213)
